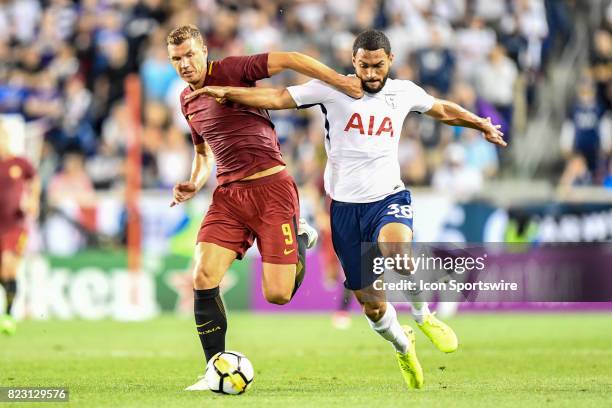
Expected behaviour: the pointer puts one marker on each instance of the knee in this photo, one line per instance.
(277, 297)
(395, 233)
(204, 276)
(375, 311)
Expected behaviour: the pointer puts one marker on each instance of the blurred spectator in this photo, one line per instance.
(106, 168)
(61, 16)
(65, 64)
(576, 173)
(513, 40)
(452, 11)
(413, 165)
(156, 72)
(479, 154)
(156, 122)
(19, 20)
(582, 133)
(6, 61)
(435, 64)
(174, 158)
(455, 177)
(72, 201)
(76, 119)
(109, 85)
(601, 62)
(48, 165)
(532, 22)
(44, 102)
(473, 45)
(414, 20)
(294, 32)
(72, 184)
(13, 92)
(495, 84)
(342, 44)
(223, 39)
(465, 95)
(490, 10)
(257, 32)
(115, 127)
(401, 38)
(174, 106)
(559, 27)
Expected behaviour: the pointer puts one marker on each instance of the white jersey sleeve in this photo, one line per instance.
(310, 93)
(420, 101)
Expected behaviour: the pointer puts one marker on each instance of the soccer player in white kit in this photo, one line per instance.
(362, 176)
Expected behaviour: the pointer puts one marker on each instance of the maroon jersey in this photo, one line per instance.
(242, 138)
(14, 173)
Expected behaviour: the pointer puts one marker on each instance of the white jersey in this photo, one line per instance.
(363, 135)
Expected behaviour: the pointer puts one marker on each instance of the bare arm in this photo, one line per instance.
(259, 97)
(201, 168)
(454, 115)
(298, 62)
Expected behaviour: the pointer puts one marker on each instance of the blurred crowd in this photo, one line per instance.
(63, 64)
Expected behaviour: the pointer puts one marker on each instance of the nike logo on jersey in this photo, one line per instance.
(355, 122)
(287, 252)
(189, 117)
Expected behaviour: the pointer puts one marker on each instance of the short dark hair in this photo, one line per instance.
(183, 33)
(372, 40)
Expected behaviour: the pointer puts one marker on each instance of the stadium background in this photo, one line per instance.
(540, 68)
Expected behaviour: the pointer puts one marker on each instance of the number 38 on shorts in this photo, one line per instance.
(400, 211)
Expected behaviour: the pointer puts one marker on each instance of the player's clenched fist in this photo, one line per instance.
(351, 86)
(182, 192)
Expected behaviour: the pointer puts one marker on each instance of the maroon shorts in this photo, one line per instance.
(14, 240)
(266, 208)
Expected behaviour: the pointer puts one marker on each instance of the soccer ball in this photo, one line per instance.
(229, 372)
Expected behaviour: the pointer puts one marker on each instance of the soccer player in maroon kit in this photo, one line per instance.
(20, 194)
(256, 196)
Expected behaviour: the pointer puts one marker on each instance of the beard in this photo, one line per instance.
(366, 85)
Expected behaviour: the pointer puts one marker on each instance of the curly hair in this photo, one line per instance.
(372, 40)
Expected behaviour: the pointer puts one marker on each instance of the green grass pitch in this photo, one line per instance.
(504, 360)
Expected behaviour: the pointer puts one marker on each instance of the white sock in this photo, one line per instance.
(419, 309)
(389, 328)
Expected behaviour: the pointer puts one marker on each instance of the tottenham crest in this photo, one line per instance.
(391, 101)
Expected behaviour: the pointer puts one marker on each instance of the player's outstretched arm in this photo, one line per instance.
(201, 168)
(278, 61)
(260, 97)
(454, 115)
